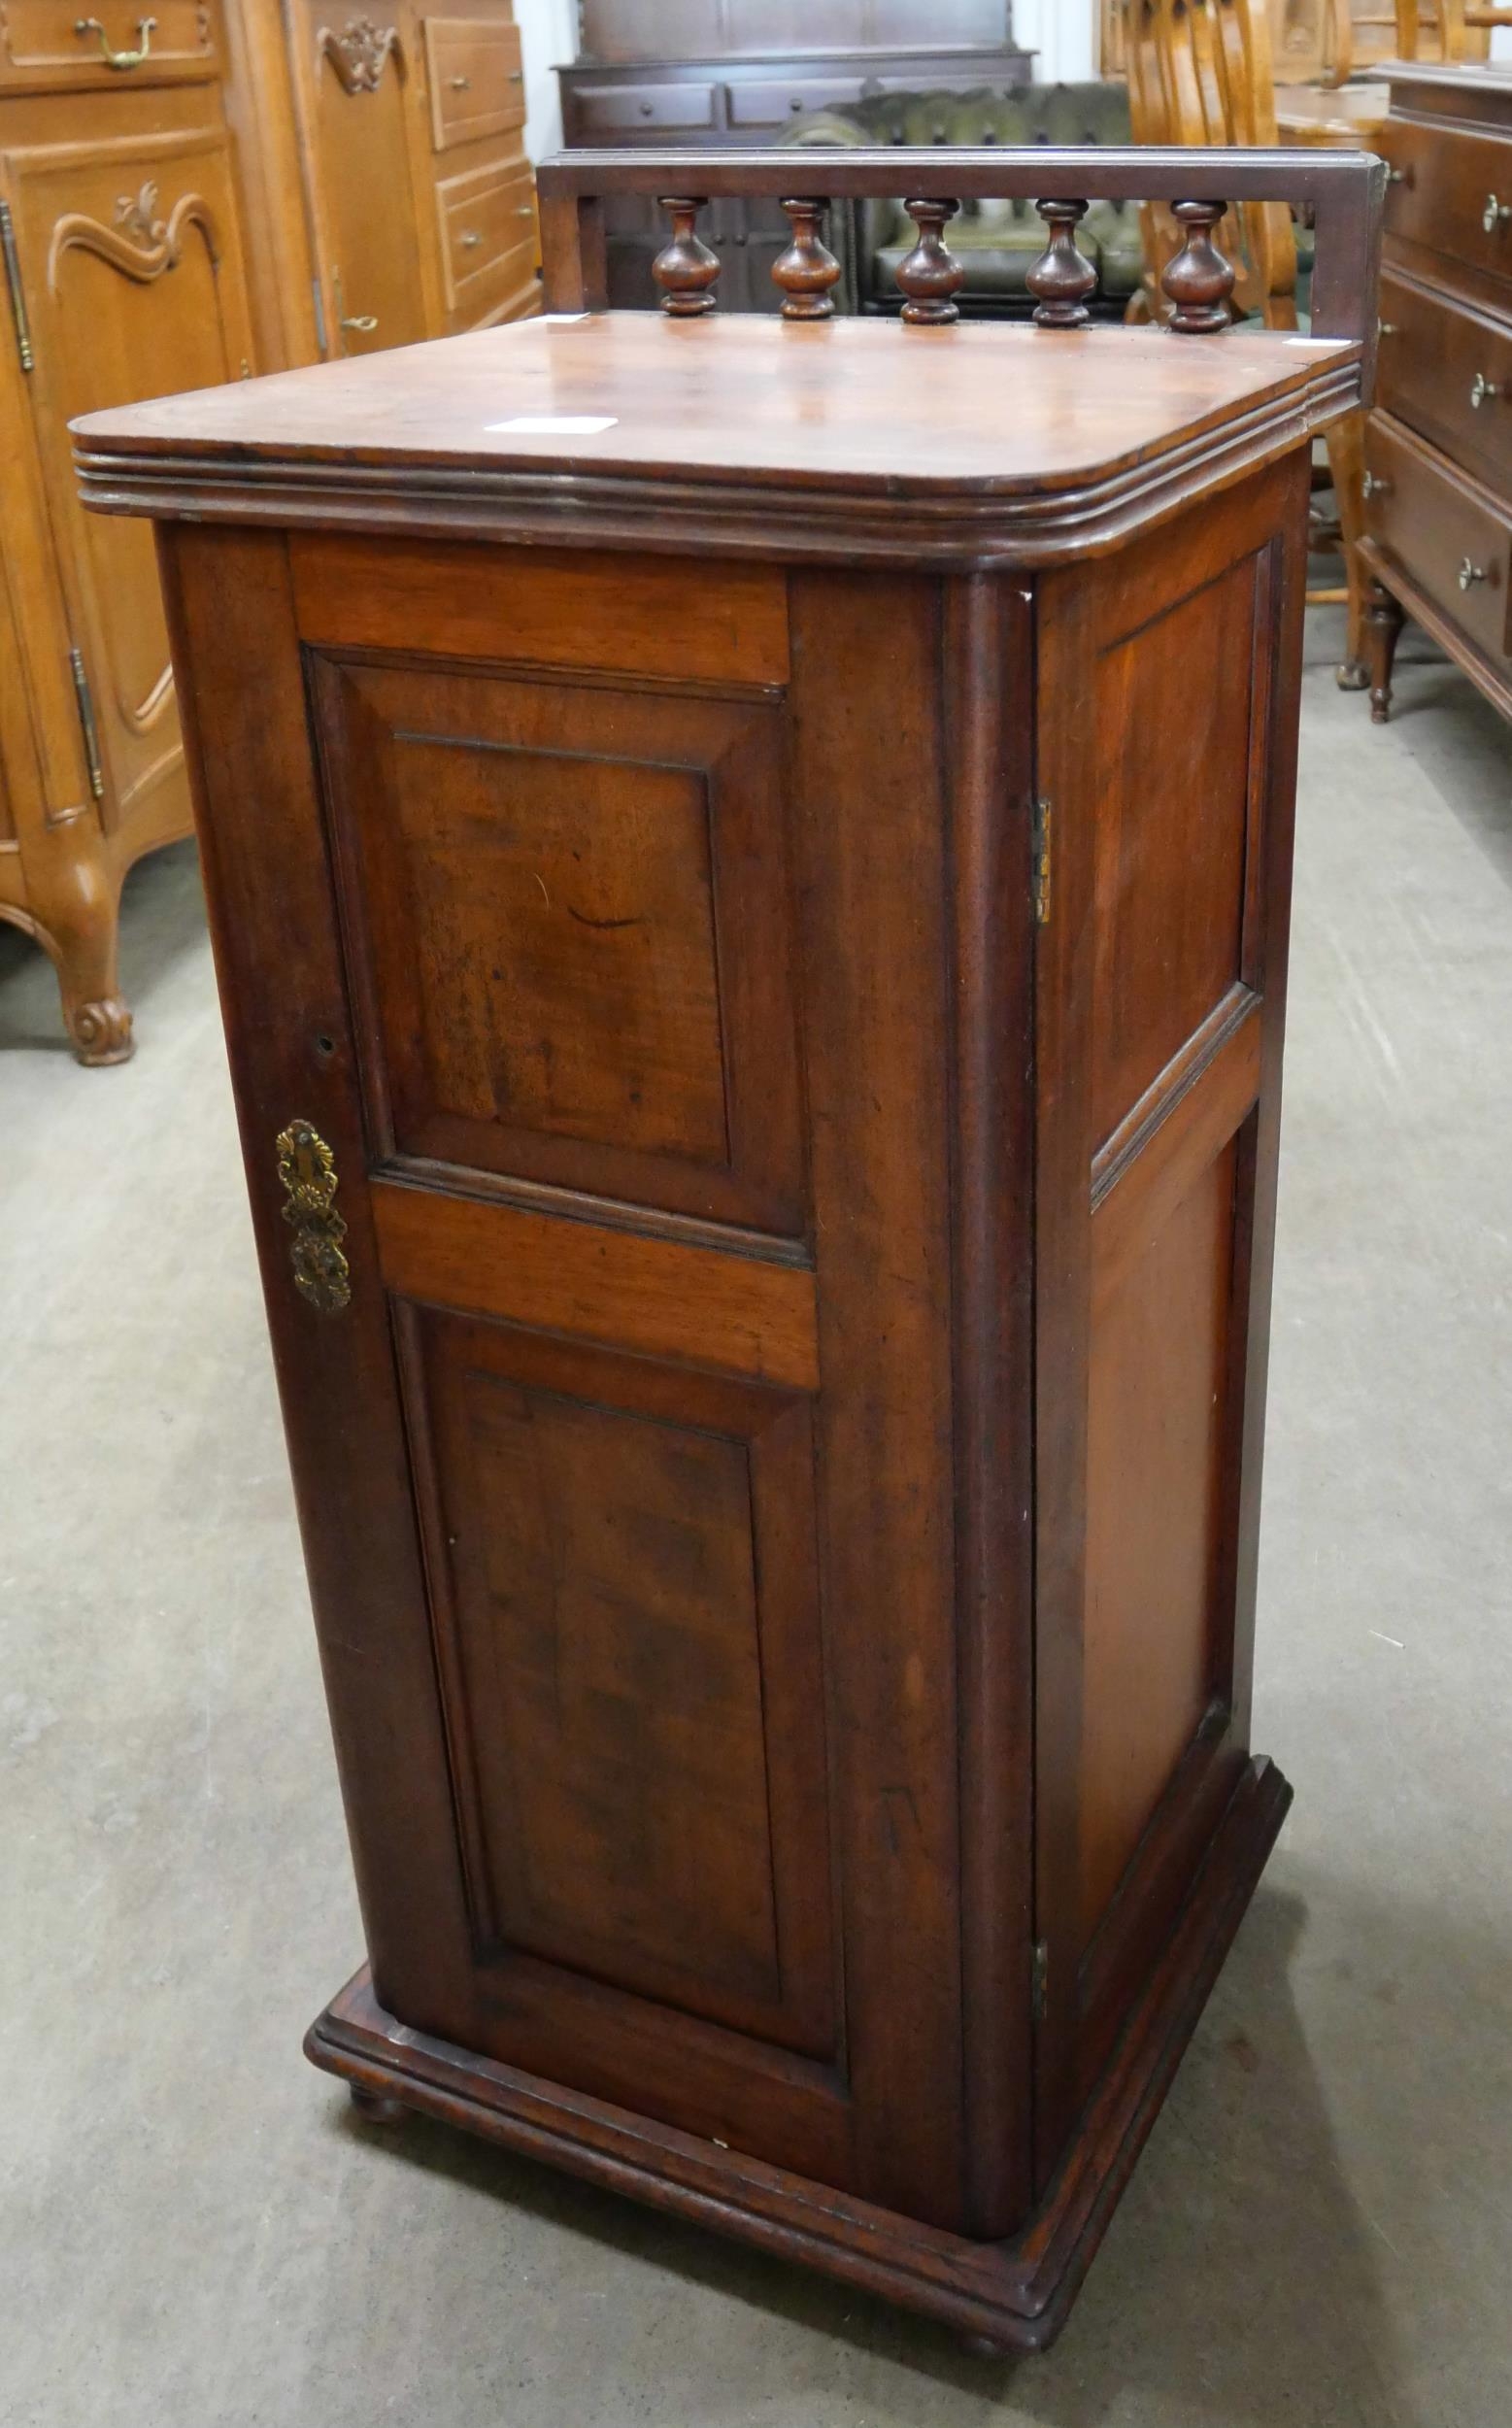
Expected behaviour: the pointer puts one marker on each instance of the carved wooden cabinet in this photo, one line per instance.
(186, 197)
(749, 893)
(411, 213)
(123, 264)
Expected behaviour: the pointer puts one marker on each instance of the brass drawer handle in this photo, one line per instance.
(523, 211)
(307, 1171)
(1471, 573)
(363, 321)
(1481, 388)
(461, 83)
(469, 238)
(1374, 484)
(147, 27)
(1495, 215)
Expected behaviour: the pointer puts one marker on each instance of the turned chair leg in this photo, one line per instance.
(1384, 620)
(1346, 444)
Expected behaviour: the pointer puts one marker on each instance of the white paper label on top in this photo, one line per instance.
(555, 424)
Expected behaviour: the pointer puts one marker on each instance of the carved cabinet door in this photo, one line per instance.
(130, 259)
(352, 89)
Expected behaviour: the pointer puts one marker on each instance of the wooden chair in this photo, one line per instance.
(1446, 30)
(1201, 72)
(1326, 41)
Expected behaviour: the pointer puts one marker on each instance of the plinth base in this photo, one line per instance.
(1013, 2295)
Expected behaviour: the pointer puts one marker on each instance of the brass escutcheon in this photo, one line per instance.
(307, 1169)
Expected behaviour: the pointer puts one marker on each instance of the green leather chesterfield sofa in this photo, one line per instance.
(996, 242)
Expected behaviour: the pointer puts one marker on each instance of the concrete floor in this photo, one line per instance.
(193, 2231)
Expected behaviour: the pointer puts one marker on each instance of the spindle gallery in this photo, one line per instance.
(689, 825)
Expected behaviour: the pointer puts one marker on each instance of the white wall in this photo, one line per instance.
(1065, 33)
(549, 35)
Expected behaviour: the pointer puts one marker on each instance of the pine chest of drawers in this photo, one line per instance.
(751, 894)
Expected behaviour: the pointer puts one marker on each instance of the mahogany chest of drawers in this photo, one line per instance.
(749, 893)
(1438, 452)
(738, 75)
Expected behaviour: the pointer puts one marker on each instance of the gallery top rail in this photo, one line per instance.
(1341, 191)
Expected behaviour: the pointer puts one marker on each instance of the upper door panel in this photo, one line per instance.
(570, 912)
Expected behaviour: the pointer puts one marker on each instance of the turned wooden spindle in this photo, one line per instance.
(1063, 277)
(930, 274)
(1200, 280)
(685, 269)
(808, 269)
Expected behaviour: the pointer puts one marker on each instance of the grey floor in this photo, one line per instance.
(192, 2229)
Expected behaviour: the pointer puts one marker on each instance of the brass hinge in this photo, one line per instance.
(1039, 1976)
(91, 739)
(13, 279)
(1042, 863)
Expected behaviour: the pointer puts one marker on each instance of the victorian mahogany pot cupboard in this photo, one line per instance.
(189, 195)
(748, 861)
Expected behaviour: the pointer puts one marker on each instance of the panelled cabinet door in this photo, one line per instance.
(131, 264)
(629, 1506)
(352, 86)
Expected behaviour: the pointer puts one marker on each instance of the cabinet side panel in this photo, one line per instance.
(1159, 1035)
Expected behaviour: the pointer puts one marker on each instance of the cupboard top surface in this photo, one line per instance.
(970, 406)
(852, 440)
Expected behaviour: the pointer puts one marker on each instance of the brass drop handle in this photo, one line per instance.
(1495, 215)
(147, 27)
(362, 322)
(307, 1174)
(1481, 388)
(1471, 573)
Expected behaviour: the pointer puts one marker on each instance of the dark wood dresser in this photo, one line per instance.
(739, 79)
(751, 894)
(1438, 450)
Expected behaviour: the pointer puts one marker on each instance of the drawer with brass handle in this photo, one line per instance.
(1449, 535)
(1454, 193)
(118, 42)
(477, 80)
(488, 239)
(1446, 370)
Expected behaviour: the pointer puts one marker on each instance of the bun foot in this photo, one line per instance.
(1380, 712)
(101, 1031)
(1354, 675)
(374, 2108)
(983, 2348)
